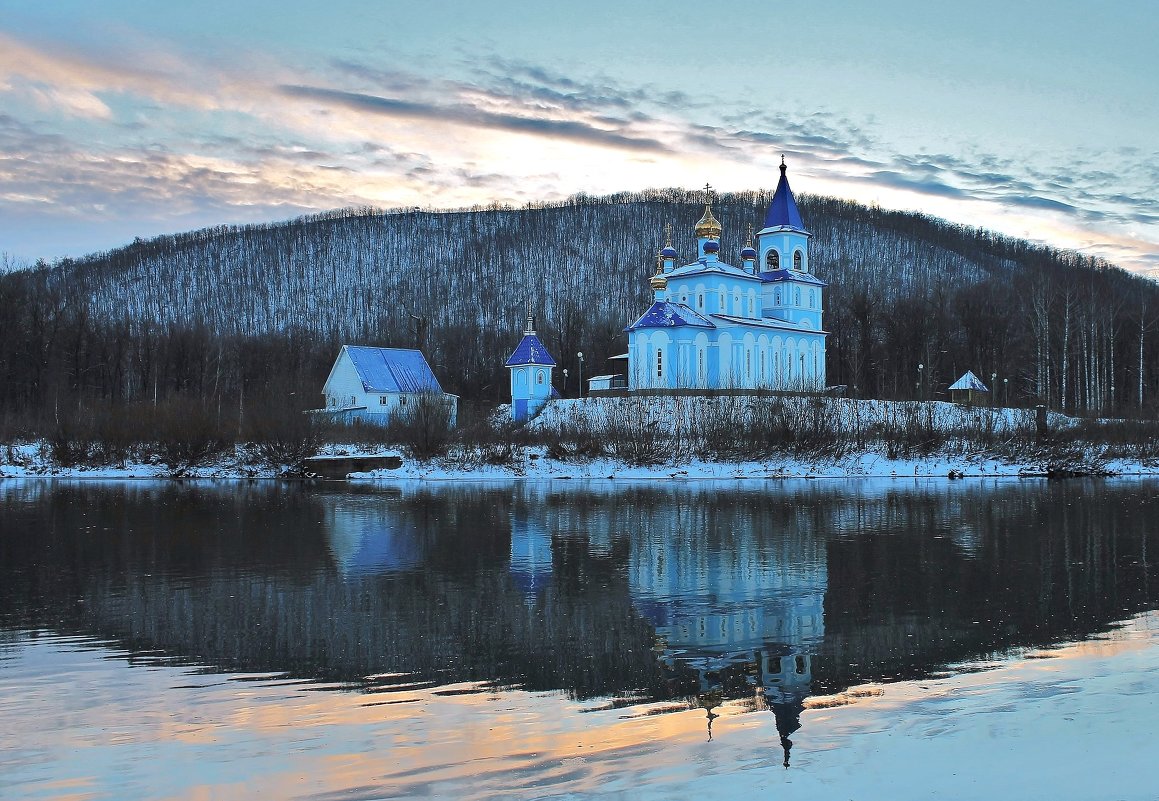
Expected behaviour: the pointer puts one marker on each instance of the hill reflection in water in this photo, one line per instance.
(688, 592)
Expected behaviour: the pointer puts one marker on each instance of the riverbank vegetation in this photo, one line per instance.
(630, 431)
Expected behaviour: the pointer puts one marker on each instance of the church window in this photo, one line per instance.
(797, 296)
(700, 363)
(736, 304)
(773, 260)
(777, 297)
(748, 363)
(539, 378)
(798, 260)
(752, 310)
(722, 309)
(683, 298)
(700, 301)
(659, 363)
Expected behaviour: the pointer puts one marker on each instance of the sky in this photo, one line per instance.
(127, 118)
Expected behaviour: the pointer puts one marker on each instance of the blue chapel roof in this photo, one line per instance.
(782, 211)
(530, 351)
(392, 369)
(664, 314)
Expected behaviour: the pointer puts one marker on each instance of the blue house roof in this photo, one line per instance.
(783, 210)
(663, 314)
(392, 369)
(530, 351)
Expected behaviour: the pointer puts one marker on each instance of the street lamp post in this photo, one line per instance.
(580, 356)
(565, 379)
(1006, 391)
(922, 381)
(994, 387)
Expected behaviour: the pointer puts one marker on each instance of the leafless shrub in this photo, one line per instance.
(423, 427)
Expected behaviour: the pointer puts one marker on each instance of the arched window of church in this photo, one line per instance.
(722, 309)
(777, 297)
(752, 309)
(659, 363)
(773, 260)
(797, 296)
(700, 301)
(700, 363)
(798, 260)
(539, 378)
(748, 364)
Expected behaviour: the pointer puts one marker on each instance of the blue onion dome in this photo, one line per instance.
(711, 247)
(668, 252)
(749, 253)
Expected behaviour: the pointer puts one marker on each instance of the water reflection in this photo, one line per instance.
(697, 593)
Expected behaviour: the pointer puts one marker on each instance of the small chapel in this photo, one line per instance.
(714, 325)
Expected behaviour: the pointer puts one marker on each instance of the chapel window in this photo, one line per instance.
(797, 296)
(798, 260)
(773, 260)
(659, 364)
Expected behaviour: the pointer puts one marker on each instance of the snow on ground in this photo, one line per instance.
(661, 414)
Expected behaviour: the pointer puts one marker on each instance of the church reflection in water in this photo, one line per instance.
(757, 594)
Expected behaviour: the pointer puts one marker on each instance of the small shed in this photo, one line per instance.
(370, 385)
(969, 389)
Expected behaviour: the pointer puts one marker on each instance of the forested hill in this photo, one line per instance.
(203, 313)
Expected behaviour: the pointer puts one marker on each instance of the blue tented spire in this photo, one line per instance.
(783, 210)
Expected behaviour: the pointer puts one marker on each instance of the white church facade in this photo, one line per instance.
(714, 325)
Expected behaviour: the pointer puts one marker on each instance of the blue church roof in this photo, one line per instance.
(530, 351)
(783, 210)
(792, 275)
(392, 369)
(663, 314)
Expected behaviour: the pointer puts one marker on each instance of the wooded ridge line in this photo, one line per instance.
(234, 316)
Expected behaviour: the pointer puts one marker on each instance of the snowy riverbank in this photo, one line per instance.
(28, 461)
(725, 437)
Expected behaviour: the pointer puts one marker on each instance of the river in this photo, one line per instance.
(566, 640)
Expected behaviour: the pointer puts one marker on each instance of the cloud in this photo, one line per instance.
(154, 132)
(460, 114)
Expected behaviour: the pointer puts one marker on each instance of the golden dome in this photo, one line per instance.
(659, 282)
(708, 227)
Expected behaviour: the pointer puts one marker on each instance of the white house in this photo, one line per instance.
(369, 385)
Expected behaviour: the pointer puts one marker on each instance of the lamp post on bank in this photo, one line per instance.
(921, 382)
(580, 355)
(994, 389)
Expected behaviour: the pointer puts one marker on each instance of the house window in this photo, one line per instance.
(659, 363)
(402, 400)
(798, 260)
(381, 400)
(773, 260)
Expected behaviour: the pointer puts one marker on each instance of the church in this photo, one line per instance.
(713, 325)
